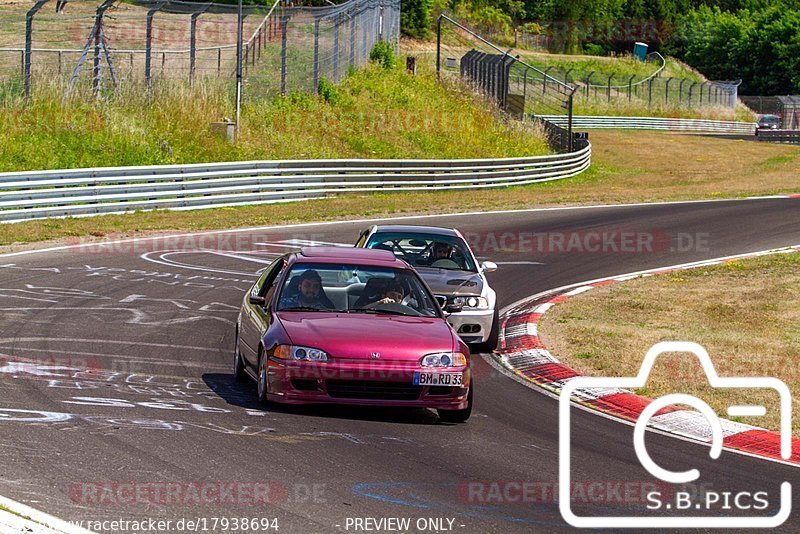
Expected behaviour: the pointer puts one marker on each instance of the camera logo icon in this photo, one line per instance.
(675, 477)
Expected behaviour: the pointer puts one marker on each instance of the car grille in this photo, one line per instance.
(372, 389)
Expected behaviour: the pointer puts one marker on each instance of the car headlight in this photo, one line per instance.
(444, 359)
(476, 303)
(298, 353)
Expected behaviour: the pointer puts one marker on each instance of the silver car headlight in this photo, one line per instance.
(474, 303)
(444, 359)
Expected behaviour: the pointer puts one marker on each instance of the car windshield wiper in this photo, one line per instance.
(304, 308)
(377, 311)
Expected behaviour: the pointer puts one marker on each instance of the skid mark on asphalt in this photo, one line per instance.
(136, 316)
(164, 257)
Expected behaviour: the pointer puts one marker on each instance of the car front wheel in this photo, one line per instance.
(458, 416)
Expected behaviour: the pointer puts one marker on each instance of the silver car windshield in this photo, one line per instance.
(426, 250)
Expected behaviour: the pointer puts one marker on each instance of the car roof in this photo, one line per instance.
(364, 256)
(433, 230)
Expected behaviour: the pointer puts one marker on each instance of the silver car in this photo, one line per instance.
(445, 261)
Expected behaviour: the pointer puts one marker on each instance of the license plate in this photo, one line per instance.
(438, 379)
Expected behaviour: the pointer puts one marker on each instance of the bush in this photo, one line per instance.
(328, 91)
(383, 54)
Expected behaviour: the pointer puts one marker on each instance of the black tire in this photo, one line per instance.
(262, 382)
(239, 374)
(458, 416)
(494, 335)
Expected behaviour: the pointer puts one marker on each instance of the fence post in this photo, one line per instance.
(219, 61)
(438, 47)
(691, 87)
(336, 24)
(571, 137)
(148, 47)
(26, 62)
(316, 54)
(364, 51)
(284, 21)
(666, 91)
(544, 79)
(96, 62)
(700, 100)
(650, 92)
(588, 83)
(680, 92)
(566, 74)
(352, 39)
(192, 46)
(630, 88)
(610, 77)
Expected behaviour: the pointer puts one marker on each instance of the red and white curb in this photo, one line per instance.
(16, 517)
(522, 352)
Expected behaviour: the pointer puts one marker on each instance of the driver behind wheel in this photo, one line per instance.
(392, 294)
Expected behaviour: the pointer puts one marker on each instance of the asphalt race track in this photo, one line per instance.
(154, 325)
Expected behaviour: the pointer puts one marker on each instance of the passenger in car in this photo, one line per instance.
(309, 293)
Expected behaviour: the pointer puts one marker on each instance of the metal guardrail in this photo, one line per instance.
(85, 192)
(779, 136)
(655, 123)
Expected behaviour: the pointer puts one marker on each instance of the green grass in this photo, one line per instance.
(379, 114)
(12, 512)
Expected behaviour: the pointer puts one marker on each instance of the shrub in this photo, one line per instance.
(383, 54)
(328, 91)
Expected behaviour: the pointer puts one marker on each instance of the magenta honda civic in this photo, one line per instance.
(351, 326)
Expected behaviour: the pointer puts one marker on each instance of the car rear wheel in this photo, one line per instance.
(262, 378)
(458, 416)
(238, 363)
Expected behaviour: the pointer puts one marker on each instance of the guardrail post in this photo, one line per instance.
(26, 68)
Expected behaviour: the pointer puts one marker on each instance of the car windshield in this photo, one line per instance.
(770, 119)
(355, 289)
(426, 250)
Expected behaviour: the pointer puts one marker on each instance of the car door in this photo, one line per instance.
(256, 317)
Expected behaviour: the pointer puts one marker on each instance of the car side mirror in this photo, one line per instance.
(454, 308)
(257, 300)
(489, 266)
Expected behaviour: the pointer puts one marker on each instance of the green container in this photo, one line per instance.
(640, 51)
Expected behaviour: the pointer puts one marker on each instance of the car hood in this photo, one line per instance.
(447, 282)
(358, 336)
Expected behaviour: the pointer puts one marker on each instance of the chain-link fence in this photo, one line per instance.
(520, 89)
(101, 44)
(296, 47)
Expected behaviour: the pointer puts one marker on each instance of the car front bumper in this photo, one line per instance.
(362, 384)
(473, 326)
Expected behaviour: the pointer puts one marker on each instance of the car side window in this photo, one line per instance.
(267, 283)
(362, 240)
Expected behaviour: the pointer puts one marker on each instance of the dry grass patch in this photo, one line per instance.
(745, 313)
